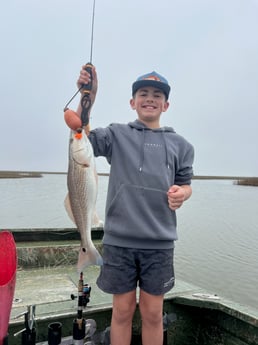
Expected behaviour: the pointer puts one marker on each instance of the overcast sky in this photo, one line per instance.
(207, 49)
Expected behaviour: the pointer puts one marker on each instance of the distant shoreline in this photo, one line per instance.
(19, 174)
(240, 180)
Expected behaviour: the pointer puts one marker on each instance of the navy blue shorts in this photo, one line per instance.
(125, 268)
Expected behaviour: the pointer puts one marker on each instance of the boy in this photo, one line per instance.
(150, 177)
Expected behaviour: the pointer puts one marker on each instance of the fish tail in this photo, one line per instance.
(88, 257)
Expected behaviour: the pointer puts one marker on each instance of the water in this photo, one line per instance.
(218, 229)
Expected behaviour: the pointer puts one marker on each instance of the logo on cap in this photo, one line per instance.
(152, 77)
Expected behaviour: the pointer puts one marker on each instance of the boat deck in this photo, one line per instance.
(50, 289)
(47, 278)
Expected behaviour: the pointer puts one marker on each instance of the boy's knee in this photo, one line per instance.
(152, 318)
(151, 313)
(123, 313)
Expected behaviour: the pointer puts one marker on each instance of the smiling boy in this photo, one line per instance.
(150, 177)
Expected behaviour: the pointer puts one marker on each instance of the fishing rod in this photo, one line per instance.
(79, 323)
(86, 88)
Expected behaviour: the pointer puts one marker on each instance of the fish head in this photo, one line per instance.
(80, 148)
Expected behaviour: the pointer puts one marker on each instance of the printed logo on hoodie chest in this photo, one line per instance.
(151, 145)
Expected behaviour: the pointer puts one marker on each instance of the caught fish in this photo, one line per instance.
(80, 202)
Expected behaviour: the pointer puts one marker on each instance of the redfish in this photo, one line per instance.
(80, 202)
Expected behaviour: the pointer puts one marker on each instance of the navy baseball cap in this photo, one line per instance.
(152, 79)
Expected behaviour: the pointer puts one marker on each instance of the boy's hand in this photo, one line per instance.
(176, 197)
(84, 78)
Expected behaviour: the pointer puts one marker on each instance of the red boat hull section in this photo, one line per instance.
(8, 266)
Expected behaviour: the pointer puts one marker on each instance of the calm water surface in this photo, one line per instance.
(218, 229)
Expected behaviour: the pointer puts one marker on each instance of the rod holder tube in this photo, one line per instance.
(54, 333)
(79, 330)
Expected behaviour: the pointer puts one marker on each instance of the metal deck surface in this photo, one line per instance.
(50, 290)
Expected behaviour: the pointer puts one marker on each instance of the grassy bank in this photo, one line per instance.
(19, 174)
(239, 180)
(249, 181)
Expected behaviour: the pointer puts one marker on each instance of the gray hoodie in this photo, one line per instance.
(145, 163)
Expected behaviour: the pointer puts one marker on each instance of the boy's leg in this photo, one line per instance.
(151, 308)
(121, 324)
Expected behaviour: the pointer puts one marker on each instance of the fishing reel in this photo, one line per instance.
(72, 119)
(85, 295)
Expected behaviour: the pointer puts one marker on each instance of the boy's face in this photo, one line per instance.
(149, 102)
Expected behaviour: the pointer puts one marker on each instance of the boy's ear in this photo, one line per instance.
(165, 107)
(132, 103)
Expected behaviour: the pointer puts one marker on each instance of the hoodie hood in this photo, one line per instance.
(141, 126)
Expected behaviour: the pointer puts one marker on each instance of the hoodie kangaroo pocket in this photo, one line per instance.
(138, 212)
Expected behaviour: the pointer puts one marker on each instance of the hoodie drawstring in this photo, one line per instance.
(166, 150)
(142, 151)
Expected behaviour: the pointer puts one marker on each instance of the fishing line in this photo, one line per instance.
(92, 30)
(88, 65)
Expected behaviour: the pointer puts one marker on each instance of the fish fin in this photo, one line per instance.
(89, 257)
(68, 208)
(96, 222)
